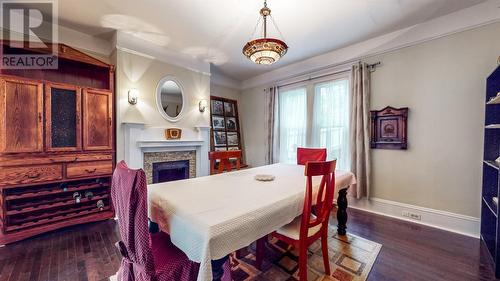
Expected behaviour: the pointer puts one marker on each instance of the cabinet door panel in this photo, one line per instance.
(97, 120)
(62, 109)
(21, 116)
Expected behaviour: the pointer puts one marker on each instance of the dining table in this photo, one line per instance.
(210, 217)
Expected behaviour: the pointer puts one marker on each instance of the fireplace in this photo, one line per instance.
(170, 171)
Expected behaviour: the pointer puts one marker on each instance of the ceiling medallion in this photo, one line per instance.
(265, 50)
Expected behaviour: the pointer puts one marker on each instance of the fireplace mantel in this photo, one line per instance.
(140, 138)
(169, 143)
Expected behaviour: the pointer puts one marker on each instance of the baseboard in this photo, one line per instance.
(448, 221)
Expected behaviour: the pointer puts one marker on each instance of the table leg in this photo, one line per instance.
(260, 252)
(342, 211)
(218, 268)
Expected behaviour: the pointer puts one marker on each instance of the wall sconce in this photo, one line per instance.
(202, 105)
(132, 96)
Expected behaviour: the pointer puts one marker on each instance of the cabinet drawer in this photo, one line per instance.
(89, 169)
(30, 174)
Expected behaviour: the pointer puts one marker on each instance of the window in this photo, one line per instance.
(292, 123)
(316, 115)
(331, 120)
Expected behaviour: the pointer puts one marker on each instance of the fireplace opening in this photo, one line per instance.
(170, 171)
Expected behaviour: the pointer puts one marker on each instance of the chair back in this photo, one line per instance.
(129, 196)
(223, 158)
(324, 195)
(305, 155)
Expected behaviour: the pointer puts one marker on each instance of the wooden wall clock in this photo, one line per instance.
(389, 128)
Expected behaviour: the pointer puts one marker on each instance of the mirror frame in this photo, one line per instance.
(158, 98)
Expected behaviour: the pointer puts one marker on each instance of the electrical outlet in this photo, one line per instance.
(412, 216)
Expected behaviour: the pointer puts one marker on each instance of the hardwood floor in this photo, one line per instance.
(409, 252)
(415, 252)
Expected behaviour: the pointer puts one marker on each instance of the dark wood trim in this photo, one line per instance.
(63, 51)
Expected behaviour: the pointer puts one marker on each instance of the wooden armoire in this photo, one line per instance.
(57, 144)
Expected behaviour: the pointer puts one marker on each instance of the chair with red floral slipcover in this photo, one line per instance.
(146, 256)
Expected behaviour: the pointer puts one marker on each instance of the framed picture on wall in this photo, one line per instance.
(232, 139)
(217, 107)
(218, 123)
(229, 109)
(220, 139)
(231, 124)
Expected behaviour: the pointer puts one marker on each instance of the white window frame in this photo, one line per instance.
(310, 86)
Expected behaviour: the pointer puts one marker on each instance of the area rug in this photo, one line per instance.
(351, 259)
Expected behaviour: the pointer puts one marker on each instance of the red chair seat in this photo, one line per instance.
(170, 262)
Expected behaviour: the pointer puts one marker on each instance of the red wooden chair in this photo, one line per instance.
(310, 154)
(223, 158)
(307, 228)
(145, 256)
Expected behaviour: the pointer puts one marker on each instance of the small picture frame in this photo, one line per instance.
(217, 107)
(173, 133)
(232, 138)
(231, 124)
(233, 148)
(220, 149)
(220, 138)
(229, 109)
(218, 123)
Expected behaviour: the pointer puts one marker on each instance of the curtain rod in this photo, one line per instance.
(372, 67)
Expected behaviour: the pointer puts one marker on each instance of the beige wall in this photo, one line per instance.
(253, 118)
(143, 73)
(224, 92)
(443, 83)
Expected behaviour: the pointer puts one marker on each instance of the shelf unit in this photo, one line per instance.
(490, 228)
(57, 143)
(45, 204)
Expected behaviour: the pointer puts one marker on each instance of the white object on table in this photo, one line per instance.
(264, 177)
(211, 217)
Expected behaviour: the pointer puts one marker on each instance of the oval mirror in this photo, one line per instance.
(170, 98)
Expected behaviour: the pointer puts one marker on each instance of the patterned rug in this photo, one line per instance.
(351, 259)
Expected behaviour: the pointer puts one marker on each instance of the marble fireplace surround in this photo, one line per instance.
(141, 138)
(166, 156)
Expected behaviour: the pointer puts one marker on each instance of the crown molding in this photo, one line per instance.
(76, 39)
(135, 45)
(466, 19)
(220, 79)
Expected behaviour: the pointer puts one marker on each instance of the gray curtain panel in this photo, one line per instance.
(359, 139)
(272, 155)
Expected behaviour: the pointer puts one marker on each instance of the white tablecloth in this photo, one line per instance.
(210, 217)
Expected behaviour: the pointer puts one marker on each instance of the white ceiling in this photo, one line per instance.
(216, 30)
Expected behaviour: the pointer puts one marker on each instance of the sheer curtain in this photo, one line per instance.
(292, 123)
(330, 126)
